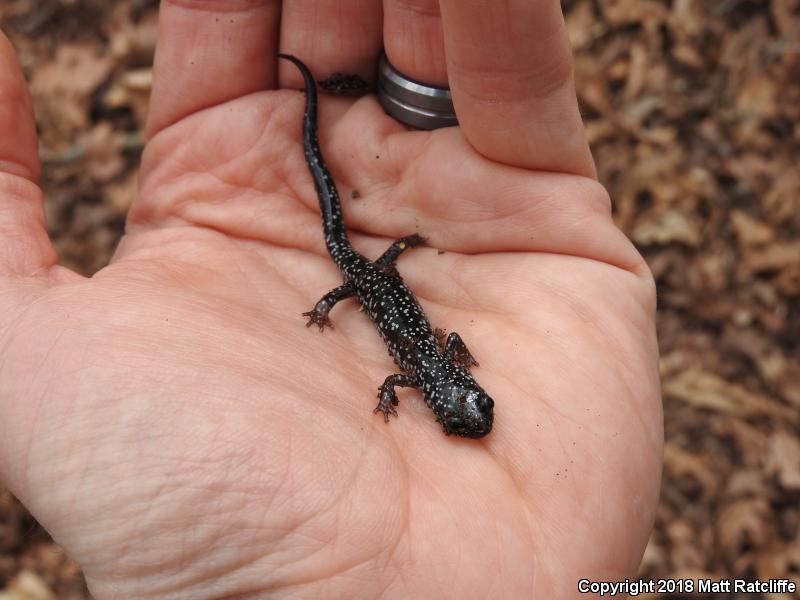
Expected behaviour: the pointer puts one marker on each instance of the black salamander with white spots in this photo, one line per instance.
(437, 366)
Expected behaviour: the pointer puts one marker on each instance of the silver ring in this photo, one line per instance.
(411, 102)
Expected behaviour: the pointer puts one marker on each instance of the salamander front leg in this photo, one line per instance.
(396, 249)
(319, 316)
(387, 397)
(456, 350)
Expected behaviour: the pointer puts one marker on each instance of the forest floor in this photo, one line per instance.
(693, 114)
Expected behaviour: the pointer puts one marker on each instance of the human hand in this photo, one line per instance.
(180, 432)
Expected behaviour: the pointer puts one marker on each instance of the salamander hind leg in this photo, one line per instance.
(319, 316)
(387, 397)
(396, 249)
(456, 350)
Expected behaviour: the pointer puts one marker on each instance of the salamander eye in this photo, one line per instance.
(485, 403)
(462, 399)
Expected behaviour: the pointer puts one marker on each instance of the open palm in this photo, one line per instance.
(177, 429)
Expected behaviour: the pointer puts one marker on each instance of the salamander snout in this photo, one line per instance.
(470, 414)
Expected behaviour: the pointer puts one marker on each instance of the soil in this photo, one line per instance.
(693, 114)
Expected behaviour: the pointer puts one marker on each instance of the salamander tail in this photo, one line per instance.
(329, 204)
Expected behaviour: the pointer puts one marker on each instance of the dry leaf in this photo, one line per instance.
(783, 460)
(27, 586)
(668, 227)
(749, 230)
(742, 524)
(775, 257)
(707, 390)
(679, 463)
(62, 86)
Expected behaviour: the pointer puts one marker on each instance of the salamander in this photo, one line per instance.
(433, 363)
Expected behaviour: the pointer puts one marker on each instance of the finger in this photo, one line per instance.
(18, 152)
(414, 40)
(510, 70)
(342, 36)
(209, 52)
(24, 245)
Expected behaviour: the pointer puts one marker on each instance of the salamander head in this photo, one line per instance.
(466, 410)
